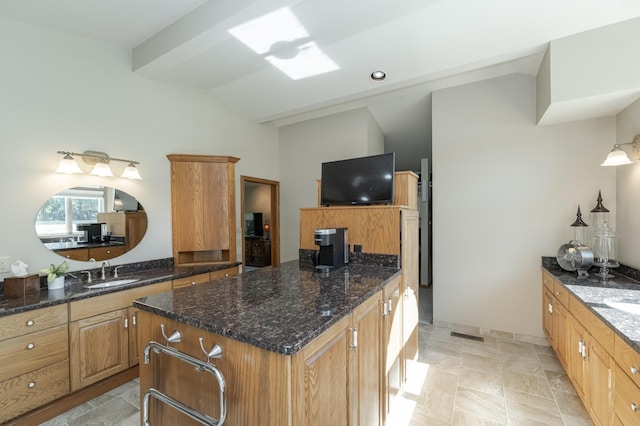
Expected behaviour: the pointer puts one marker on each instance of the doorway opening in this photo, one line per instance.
(260, 213)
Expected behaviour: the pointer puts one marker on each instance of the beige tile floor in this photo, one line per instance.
(454, 381)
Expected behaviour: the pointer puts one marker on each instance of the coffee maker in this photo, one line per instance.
(92, 232)
(334, 249)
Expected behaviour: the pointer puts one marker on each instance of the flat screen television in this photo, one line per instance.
(358, 181)
(253, 224)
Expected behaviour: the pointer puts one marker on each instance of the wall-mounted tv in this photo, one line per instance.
(358, 181)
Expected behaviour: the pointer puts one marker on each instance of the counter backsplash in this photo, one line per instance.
(627, 271)
(384, 260)
(125, 268)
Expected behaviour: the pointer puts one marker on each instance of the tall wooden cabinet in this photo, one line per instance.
(203, 209)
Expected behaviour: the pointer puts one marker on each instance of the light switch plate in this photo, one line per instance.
(4, 265)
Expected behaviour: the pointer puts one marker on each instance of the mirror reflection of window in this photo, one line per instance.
(60, 215)
(91, 223)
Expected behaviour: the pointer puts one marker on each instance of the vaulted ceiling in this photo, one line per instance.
(422, 45)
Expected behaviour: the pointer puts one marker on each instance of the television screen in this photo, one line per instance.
(358, 181)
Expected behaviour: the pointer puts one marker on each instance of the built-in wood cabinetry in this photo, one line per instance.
(206, 277)
(34, 360)
(203, 209)
(84, 254)
(99, 339)
(390, 230)
(131, 225)
(392, 345)
(555, 317)
(603, 368)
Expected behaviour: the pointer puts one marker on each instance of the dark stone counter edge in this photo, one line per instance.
(282, 349)
(147, 273)
(551, 265)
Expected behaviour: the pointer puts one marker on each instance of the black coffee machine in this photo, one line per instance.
(334, 249)
(92, 232)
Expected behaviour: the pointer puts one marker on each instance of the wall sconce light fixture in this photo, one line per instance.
(618, 157)
(100, 161)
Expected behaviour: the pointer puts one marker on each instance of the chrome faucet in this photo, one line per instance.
(88, 275)
(105, 263)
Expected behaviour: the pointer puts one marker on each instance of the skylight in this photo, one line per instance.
(285, 43)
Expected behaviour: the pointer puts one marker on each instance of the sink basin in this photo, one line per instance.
(627, 305)
(114, 283)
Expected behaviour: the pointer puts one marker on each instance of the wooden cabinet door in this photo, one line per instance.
(132, 323)
(600, 377)
(320, 372)
(410, 282)
(561, 332)
(201, 210)
(365, 382)
(136, 227)
(577, 358)
(547, 313)
(99, 347)
(391, 347)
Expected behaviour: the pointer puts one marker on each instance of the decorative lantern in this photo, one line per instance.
(599, 215)
(605, 250)
(579, 228)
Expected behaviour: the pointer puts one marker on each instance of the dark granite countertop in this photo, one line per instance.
(279, 308)
(146, 273)
(72, 245)
(593, 291)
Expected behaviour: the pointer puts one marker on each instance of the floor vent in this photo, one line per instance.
(467, 336)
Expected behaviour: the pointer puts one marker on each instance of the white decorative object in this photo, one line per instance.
(56, 283)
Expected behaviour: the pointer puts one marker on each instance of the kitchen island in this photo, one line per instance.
(297, 347)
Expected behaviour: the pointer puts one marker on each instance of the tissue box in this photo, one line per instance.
(15, 287)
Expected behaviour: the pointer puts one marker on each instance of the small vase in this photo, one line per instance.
(56, 283)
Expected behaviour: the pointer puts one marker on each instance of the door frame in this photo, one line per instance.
(274, 231)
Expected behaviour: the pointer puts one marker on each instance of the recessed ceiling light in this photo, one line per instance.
(378, 76)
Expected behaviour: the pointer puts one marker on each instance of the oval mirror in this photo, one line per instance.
(91, 223)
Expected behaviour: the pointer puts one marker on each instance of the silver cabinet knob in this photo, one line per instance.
(30, 323)
(634, 369)
(634, 407)
(31, 346)
(32, 385)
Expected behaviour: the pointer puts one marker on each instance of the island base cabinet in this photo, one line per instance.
(257, 381)
(320, 372)
(334, 380)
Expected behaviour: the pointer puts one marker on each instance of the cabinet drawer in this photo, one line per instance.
(31, 390)
(229, 272)
(113, 301)
(192, 280)
(628, 359)
(561, 293)
(74, 254)
(106, 252)
(33, 351)
(28, 322)
(597, 328)
(625, 398)
(547, 280)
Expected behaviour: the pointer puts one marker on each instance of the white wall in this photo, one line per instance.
(627, 190)
(504, 194)
(257, 199)
(304, 147)
(62, 92)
